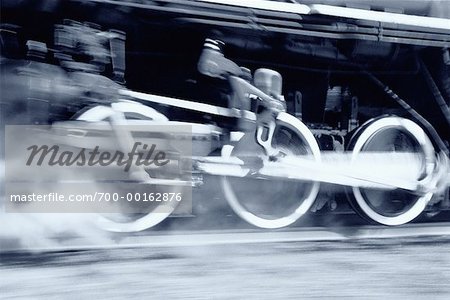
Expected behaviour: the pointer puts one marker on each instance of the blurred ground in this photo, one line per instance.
(400, 268)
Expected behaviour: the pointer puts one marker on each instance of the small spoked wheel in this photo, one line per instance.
(267, 202)
(142, 215)
(393, 137)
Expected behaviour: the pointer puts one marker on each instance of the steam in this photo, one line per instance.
(26, 231)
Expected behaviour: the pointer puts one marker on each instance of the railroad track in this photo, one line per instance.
(202, 238)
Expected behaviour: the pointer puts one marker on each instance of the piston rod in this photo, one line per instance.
(380, 170)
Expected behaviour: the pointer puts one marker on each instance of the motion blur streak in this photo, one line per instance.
(393, 268)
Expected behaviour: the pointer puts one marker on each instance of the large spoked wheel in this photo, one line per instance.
(270, 203)
(149, 214)
(399, 136)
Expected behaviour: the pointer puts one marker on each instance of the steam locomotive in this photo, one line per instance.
(270, 88)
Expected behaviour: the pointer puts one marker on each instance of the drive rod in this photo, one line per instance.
(378, 170)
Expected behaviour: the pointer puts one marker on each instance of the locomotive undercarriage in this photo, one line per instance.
(344, 109)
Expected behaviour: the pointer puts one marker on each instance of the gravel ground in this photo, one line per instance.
(407, 268)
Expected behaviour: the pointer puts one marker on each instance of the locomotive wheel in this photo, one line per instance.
(273, 203)
(151, 215)
(395, 135)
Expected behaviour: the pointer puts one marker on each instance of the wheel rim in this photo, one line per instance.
(394, 134)
(153, 215)
(275, 204)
